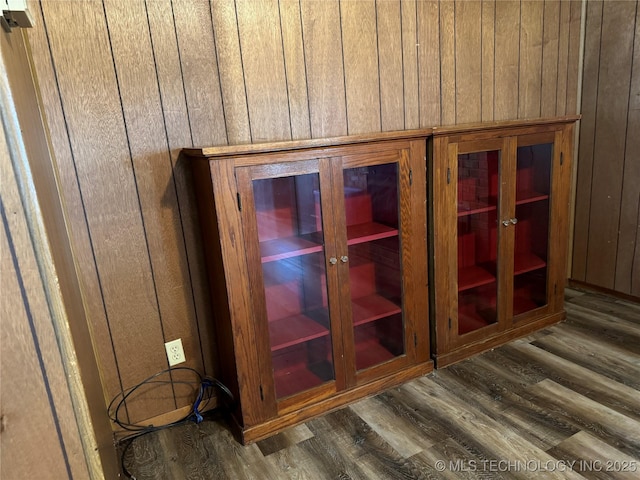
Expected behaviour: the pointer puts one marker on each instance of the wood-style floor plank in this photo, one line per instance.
(563, 402)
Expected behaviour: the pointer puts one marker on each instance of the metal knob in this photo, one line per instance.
(333, 260)
(514, 221)
(506, 223)
(344, 259)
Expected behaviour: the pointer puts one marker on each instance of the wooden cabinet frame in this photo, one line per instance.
(449, 345)
(223, 178)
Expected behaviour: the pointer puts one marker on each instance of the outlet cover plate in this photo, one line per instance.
(175, 352)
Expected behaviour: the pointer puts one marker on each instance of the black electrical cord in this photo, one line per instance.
(206, 385)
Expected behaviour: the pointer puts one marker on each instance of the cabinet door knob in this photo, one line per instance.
(514, 221)
(344, 259)
(506, 223)
(333, 260)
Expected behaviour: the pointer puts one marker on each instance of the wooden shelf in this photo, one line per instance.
(288, 247)
(372, 307)
(296, 329)
(530, 196)
(473, 276)
(367, 232)
(469, 207)
(295, 379)
(471, 319)
(526, 262)
(369, 352)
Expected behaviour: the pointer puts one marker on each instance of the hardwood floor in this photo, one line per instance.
(562, 403)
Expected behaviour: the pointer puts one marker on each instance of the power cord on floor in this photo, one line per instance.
(206, 386)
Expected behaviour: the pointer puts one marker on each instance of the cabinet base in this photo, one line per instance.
(270, 427)
(465, 351)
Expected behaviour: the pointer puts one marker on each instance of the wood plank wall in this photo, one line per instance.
(126, 84)
(607, 222)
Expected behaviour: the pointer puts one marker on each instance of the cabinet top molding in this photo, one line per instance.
(253, 148)
(504, 124)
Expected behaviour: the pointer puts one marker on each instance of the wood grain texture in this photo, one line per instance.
(35, 399)
(31, 366)
(428, 26)
(263, 70)
(325, 68)
(573, 61)
(563, 57)
(216, 73)
(231, 70)
(153, 172)
(584, 181)
(550, 43)
(208, 122)
(390, 63)
(293, 48)
(179, 132)
(73, 199)
(609, 144)
(121, 255)
(410, 49)
(507, 42)
(358, 21)
(531, 45)
(448, 63)
(469, 75)
(627, 277)
(488, 59)
(514, 403)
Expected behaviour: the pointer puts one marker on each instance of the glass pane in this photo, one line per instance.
(289, 220)
(533, 183)
(371, 207)
(477, 239)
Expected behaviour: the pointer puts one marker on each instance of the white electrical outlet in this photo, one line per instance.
(175, 353)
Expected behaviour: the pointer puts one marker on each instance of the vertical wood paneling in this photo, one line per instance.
(609, 145)
(264, 73)
(295, 68)
(210, 73)
(468, 62)
(200, 74)
(410, 64)
(529, 101)
(573, 61)
(550, 42)
(627, 267)
(231, 71)
(361, 74)
(448, 84)
(178, 133)
(122, 255)
(429, 62)
(563, 56)
(325, 70)
(153, 170)
(390, 47)
(74, 202)
(591, 69)
(488, 59)
(507, 60)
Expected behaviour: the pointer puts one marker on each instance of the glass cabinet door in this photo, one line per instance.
(477, 236)
(533, 186)
(292, 256)
(371, 199)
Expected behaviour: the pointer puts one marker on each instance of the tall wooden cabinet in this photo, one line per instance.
(317, 261)
(500, 201)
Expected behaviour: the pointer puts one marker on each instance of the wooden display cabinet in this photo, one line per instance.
(316, 253)
(500, 232)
